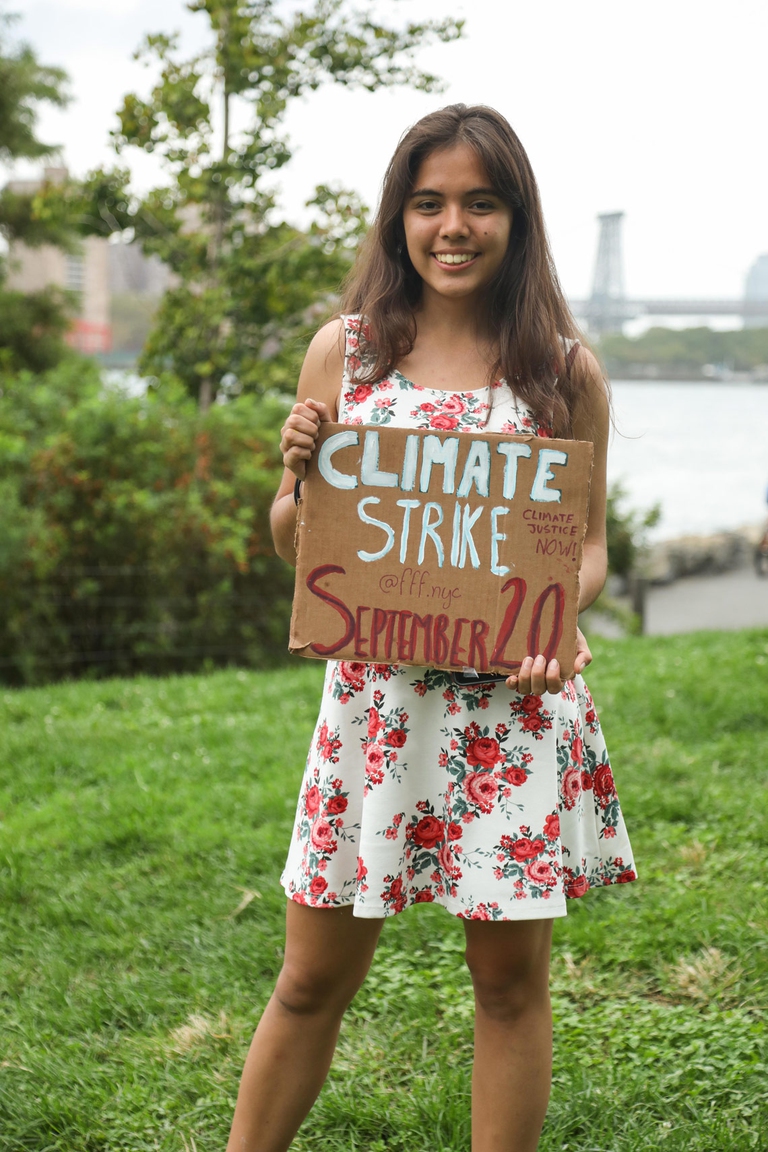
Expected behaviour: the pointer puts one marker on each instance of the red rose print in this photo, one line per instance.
(312, 801)
(570, 789)
(626, 877)
(577, 887)
(423, 897)
(586, 781)
(375, 724)
(362, 392)
(577, 750)
(336, 805)
(454, 831)
(483, 752)
(603, 782)
(609, 832)
(530, 703)
(322, 836)
(516, 776)
(552, 827)
(362, 871)
(318, 885)
(374, 757)
(539, 872)
(454, 404)
(396, 887)
(532, 723)
(526, 849)
(590, 716)
(353, 364)
(480, 912)
(353, 673)
(429, 832)
(396, 738)
(481, 789)
(447, 862)
(444, 422)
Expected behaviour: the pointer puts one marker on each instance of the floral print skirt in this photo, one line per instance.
(417, 789)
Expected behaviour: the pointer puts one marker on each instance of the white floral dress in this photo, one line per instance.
(418, 789)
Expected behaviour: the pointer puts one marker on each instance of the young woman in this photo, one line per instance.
(494, 799)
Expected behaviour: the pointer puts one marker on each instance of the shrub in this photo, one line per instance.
(135, 533)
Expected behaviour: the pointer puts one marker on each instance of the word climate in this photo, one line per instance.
(449, 529)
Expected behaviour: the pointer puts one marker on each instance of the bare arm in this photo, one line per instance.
(591, 421)
(317, 400)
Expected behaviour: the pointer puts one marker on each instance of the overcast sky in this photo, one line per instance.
(656, 109)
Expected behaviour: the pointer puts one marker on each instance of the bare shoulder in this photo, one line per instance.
(592, 412)
(323, 366)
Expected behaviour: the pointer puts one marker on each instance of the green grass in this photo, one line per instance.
(135, 813)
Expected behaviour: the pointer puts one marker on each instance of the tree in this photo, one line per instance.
(248, 284)
(32, 325)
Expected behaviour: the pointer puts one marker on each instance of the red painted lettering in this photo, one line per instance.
(556, 631)
(425, 623)
(478, 657)
(440, 644)
(339, 606)
(508, 624)
(456, 649)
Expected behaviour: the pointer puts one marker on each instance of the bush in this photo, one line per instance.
(135, 533)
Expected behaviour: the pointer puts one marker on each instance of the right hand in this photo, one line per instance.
(299, 434)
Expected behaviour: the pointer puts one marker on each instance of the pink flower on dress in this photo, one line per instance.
(444, 422)
(570, 789)
(539, 872)
(322, 836)
(481, 789)
(312, 800)
(454, 404)
(552, 827)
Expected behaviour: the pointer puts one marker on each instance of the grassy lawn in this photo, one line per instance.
(144, 825)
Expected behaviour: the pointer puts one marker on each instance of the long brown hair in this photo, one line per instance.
(526, 309)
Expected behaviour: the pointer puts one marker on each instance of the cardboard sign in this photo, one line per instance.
(451, 550)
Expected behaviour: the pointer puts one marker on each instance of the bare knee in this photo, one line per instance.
(509, 981)
(302, 990)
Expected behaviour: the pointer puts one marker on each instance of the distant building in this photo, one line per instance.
(756, 288)
(86, 273)
(130, 271)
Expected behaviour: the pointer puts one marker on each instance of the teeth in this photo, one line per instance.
(451, 258)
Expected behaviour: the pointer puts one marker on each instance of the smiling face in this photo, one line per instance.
(457, 227)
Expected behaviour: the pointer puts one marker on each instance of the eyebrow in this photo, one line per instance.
(469, 192)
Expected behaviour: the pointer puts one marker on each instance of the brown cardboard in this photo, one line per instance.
(476, 567)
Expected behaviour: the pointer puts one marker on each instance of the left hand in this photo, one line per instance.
(536, 676)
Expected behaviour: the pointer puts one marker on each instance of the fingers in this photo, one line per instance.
(583, 654)
(322, 410)
(299, 433)
(536, 677)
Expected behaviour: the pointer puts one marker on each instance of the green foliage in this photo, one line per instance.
(687, 349)
(138, 814)
(32, 328)
(135, 531)
(24, 83)
(250, 287)
(626, 531)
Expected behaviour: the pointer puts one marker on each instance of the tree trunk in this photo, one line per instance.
(205, 396)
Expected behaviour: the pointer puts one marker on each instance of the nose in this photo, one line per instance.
(453, 222)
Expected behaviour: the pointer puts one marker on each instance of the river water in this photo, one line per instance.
(698, 449)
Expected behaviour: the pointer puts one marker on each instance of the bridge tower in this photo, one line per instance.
(607, 308)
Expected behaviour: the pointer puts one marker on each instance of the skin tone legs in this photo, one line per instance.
(328, 953)
(509, 963)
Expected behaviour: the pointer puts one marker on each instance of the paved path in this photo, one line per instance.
(727, 602)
